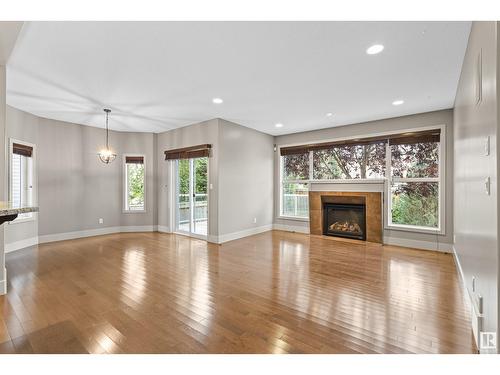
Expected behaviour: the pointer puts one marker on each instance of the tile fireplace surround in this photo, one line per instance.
(372, 200)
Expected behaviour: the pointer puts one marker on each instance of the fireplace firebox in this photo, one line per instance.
(344, 220)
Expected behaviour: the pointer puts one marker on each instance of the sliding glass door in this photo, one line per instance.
(192, 196)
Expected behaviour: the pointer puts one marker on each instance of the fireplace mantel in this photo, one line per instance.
(373, 202)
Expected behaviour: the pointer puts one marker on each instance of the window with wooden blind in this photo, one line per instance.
(134, 181)
(410, 165)
(21, 177)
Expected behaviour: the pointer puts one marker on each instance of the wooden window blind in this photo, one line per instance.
(23, 150)
(188, 152)
(393, 139)
(134, 159)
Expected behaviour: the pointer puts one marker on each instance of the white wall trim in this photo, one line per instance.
(460, 270)
(94, 232)
(137, 228)
(244, 233)
(418, 244)
(163, 229)
(291, 228)
(17, 245)
(213, 239)
(468, 299)
(3, 283)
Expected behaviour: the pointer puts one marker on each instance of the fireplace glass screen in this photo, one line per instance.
(344, 220)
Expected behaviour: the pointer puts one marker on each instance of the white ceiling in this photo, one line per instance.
(157, 76)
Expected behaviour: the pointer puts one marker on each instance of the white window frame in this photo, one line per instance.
(441, 189)
(386, 180)
(174, 213)
(283, 182)
(27, 217)
(125, 185)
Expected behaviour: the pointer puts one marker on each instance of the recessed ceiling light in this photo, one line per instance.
(279, 125)
(376, 48)
(329, 114)
(217, 101)
(398, 102)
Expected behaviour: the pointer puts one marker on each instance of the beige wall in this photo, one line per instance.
(245, 179)
(476, 213)
(369, 128)
(240, 171)
(3, 281)
(196, 134)
(74, 188)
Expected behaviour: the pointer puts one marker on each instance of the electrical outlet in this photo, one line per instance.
(255, 220)
(101, 220)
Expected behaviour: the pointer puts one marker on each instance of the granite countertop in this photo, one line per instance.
(7, 209)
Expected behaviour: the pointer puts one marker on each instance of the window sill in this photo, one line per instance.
(134, 211)
(414, 229)
(295, 218)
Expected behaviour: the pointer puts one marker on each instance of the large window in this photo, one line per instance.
(21, 177)
(414, 190)
(134, 184)
(409, 164)
(294, 192)
(349, 162)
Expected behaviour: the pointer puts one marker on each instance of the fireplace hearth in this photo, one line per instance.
(344, 220)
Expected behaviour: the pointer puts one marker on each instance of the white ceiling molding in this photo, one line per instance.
(157, 76)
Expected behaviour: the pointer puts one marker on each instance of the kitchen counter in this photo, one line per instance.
(9, 212)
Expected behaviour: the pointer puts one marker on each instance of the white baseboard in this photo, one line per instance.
(163, 229)
(94, 232)
(236, 235)
(291, 228)
(417, 244)
(18, 245)
(3, 283)
(137, 228)
(476, 318)
(77, 234)
(460, 270)
(213, 239)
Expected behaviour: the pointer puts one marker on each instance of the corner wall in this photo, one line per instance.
(245, 181)
(192, 135)
(476, 213)
(74, 188)
(3, 175)
(240, 170)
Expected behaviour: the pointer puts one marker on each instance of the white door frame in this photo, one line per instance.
(175, 201)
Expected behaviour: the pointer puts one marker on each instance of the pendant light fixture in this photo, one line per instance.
(106, 155)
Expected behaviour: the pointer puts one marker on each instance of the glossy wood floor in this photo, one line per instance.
(275, 292)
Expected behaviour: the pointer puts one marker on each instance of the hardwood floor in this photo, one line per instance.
(276, 292)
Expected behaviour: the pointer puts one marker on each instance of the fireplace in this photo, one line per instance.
(344, 220)
(370, 201)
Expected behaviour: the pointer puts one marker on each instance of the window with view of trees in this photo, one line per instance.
(21, 177)
(134, 183)
(295, 193)
(349, 162)
(415, 184)
(409, 161)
